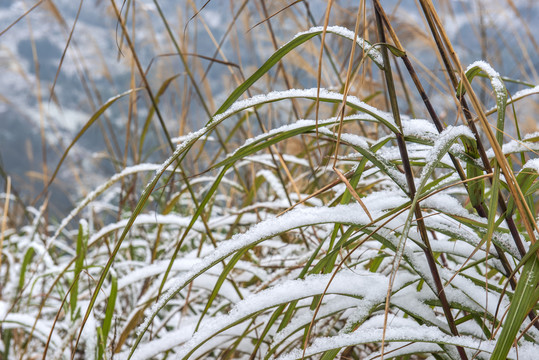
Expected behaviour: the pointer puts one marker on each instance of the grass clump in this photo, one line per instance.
(353, 230)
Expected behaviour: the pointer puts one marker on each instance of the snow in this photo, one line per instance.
(449, 135)
(270, 276)
(397, 350)
(420, 128)
(332, 304)
(407, 331)
(369, 49)
(495, 78)
(532, 164)
(525, 92)
(447, 204)
(89, 334)
(408, 300)
(350, 214)
(311, 93)
(181, 139)
(99, 190)
(275, 184)
(361, 142)
(518, 96)
(151, 219)
(479, 300)
(304, 124)
(364, 285)
(527, 143)
(206, 280)
(153, 348)
(26, 321)
(455, 247)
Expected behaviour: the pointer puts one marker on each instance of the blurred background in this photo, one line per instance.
(61, 60)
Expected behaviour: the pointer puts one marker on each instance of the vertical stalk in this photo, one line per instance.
(412, 190)
(471, 124)
(480, 208)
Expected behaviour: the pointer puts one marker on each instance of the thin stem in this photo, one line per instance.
(411, 186)
(471, 124)
(480, 208)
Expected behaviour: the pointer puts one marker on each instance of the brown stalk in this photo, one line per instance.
(440, 127)
(500, 157)
(4, 219)
(417, 210)
(154, 103)
(353, 192)
(341, 114)
(21, 17)
(361, 242)
(435, 26)
(480, 208)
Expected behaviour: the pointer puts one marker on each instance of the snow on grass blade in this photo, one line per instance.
(519, 95)
(299, 39)
(528, 143)
(361, 145)
(27, 322)
(441, 147)
(406, 330)
(150, 219)
(499, 90)
(180, 149)
(285, 132)
(346, 214)
(246, 284)
(100, 190)
(368, 286)
(322, 94)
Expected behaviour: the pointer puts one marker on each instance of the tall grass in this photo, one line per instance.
(310, 213)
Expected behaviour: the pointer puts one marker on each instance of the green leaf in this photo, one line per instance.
(82, 243)
(476, 188)
(107, 321)
(499, 89)
(525, 180)
(24, 266)
(330, 354)
(86, 126)
(151, 112)
(287, 48)
(524, 299)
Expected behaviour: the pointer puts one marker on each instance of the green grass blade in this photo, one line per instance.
(86, 126)
(151, 112)
(525, 180)
(222, 277)
(524, 298)
(499, 89)
(107, 321)
(24, 266)
(82, 243)
(287, 48)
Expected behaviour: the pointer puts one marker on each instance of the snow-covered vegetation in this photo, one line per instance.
(340, 200)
